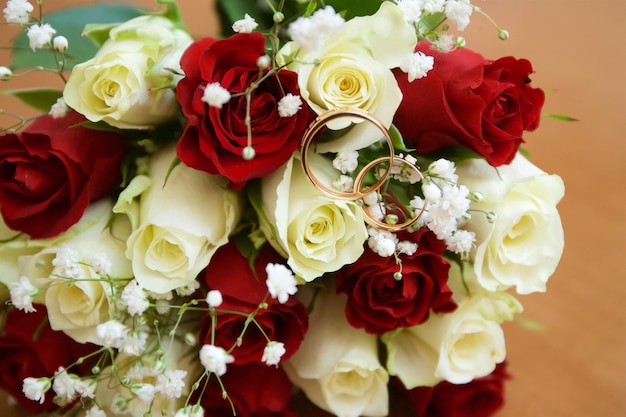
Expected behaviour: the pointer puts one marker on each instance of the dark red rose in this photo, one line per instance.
(30, 348)
(214, 139)
(468, 101)
(480, 398)
(379, 303)
(242, 290)
(256, 390)
(52, 170)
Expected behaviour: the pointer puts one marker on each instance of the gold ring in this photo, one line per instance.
(358, 182)
(318, 124)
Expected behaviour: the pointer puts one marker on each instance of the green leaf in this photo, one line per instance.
(560, 117)
(38, 98)
(70, 23)
(398, 140)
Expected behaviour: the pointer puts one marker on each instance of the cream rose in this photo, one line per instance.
(337, 365)
(456, 347)
(183, 218)
(129, 83)
(353, 69)
(316, 233)
(73, 276)
(524, 244)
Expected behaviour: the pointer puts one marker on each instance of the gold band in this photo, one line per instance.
(318, 124)
(358, 182)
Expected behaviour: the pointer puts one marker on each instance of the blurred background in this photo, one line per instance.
(576, 365)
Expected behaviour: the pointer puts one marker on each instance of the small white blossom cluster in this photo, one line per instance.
(245, 25)
(447, 206)
(281, 283)
(67, 387)
(385, 243)
(17, 11)
(459, 11)
(309, 32)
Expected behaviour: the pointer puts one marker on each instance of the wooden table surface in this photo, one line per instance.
(576, 367)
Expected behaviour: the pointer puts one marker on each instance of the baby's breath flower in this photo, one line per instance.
(344, 183)
(67, 261)
(64, 386)
(190, 411)
(289, 105)
(59, 110)
(460, 242)
(214, 298)
(407, 247)
(433, 6)
(445, 42)
(188, 289)
(412, 9)
(111, 333)
(309, 33)
(134, 298)
(145, 392)
(459, 12)
(17, 11)
(215, 95)
(35, 388)
(95, 411)
(346, 162)
(135, 343)
(99, 261)
(60, 43)
(382, 242)
(5, 73)
(417, 65)
(39, 35)
(272, 353)
(86, 388)
(280, 282)
(22, 295)
(214, 359)
(171, 383)
(245, 25)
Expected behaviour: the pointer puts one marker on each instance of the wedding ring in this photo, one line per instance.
(358, 182)
(318, 124)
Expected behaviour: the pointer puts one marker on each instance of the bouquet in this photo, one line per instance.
(330, 203)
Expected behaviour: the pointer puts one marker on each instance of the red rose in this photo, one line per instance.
(242, 290)
(30, 348)
(379, 303)
(51, 171)
(480, 398)
(256, 390)
(214, 138)
(471, 102)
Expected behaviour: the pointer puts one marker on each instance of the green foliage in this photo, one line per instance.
(38, 98)
(70, 23)
(560, 117)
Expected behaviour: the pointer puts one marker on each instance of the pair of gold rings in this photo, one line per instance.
(358, 190)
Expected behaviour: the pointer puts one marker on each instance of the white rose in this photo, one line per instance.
(337, 365)
(129, 83)
(353, 69)
(316, 233)
(456, 347)
(183, 219)
(524, 245)
(77, 306)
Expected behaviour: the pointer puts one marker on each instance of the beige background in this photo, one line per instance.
(576, 367)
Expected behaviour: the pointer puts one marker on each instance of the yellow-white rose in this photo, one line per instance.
(337, 365)
(316, 233)
(353, 69)
(129, 83)
(456, 347)
(184, 217)
(75, 291)
(524, 244)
